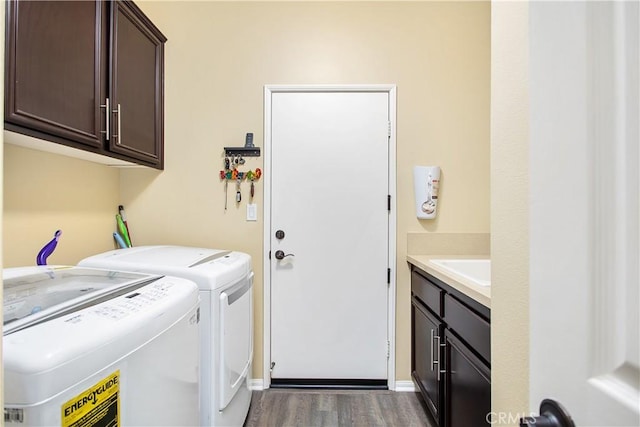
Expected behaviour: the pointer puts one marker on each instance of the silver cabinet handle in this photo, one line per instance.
(119, 135)
(107, 113)
(437, 362)
(432, 360)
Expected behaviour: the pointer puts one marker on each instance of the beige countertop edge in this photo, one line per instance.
(480, 294)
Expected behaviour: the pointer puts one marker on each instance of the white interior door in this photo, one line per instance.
(329, 182)
(584, 266)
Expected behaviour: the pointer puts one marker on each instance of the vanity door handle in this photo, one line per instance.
(433, 362)
(437, 362)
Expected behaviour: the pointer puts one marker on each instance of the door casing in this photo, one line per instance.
(269, 90)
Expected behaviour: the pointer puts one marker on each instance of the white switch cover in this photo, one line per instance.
(252, 212)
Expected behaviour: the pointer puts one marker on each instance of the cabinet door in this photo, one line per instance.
(137, 79)
(467, 386)
(56, 62)
(425, 355)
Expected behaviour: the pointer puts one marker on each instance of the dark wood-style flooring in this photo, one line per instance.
(307, 408)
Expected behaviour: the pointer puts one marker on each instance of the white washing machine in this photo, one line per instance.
(225, 279)
(94, 347)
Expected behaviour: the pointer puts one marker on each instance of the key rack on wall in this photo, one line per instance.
(242, 151)
(233, 160)
(249, 150)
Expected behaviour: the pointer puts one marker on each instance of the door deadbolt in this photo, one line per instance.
(279, 234)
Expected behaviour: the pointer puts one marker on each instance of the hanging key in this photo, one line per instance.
(238, 194)
(226, 183)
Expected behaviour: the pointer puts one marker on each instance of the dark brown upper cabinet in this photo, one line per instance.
(56, 68)
(137, 64)
(86, 74)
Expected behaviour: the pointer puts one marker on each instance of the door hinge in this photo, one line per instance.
(388, 276)
(388, 349)
(269, 254)
(389, 202)
(389, 129)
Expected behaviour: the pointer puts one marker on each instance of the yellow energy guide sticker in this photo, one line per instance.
(98, 406)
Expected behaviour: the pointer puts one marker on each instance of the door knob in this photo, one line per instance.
(552, 414)
(281, 255)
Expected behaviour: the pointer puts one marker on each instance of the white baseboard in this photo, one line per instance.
(401, 386)
(256, 384)
(405, 386)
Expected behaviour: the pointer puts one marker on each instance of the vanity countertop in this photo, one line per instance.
(481, 294)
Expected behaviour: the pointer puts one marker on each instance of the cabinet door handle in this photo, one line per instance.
(119, 135)
(107, 113)
(437, 362)
(432, 348)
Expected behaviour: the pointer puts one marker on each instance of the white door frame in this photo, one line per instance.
(269, 90)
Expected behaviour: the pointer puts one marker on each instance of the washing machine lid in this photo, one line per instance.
(165, 256)
(209, 268)
(36, 294)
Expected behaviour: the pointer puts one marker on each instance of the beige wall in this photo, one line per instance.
(221, 54)
(218, 58)
(509, 209)
(44, 192)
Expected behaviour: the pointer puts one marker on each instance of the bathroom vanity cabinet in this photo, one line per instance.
(451, 352)
(88, 75)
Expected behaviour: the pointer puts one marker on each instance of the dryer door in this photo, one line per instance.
(236, 338)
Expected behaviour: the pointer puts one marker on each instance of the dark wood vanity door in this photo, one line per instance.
(425, 356)
(137, 74)
(56, 56)
(467, 386)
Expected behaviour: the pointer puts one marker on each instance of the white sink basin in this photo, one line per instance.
(476, 270)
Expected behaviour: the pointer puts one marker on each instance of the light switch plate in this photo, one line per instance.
(252, 212)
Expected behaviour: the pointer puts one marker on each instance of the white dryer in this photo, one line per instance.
(94, 347)
(225, 279)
